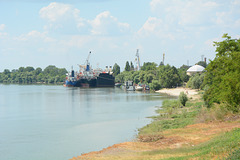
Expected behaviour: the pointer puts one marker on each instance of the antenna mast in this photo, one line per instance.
(163, 58)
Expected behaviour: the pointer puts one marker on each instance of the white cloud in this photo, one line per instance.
(155, 27)
(2, 27)
(229, 16)
(58, 12)
(184, 12)
(188, 47)
(62, 17)
(105, 24)
(66, 18)
(152, 25)
(2, 34)
(35, 36)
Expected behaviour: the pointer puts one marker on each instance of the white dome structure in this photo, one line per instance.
(195, 69)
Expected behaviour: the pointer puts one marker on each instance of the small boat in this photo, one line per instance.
(118, 84)
(147, 87)
(128, 86)
(138, 88)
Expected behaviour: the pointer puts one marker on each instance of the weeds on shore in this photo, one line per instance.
(173, 115)
(225, 146)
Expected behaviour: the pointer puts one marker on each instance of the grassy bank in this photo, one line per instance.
(172, 115)
(181, 132)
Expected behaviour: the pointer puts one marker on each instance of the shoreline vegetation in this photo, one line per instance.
(29, 75)
(181, 132)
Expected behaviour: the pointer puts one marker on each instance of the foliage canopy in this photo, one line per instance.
(223, 75)
(50, 74)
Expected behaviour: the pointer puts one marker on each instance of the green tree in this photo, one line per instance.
(28, 69)
(202, 63)
(38, 71)
(148, 77)
(168, 76)
(127, 66)
(155, 85)
(223, 75)
(136, 79)
(21, 69)
(183, 73)
(132, 66)
(6, 71)
(149, 66)
(196, 81)
(116, 69)
(161, 63)
(51, 70)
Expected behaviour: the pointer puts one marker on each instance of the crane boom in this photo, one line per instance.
(88, 58)
(87, 63)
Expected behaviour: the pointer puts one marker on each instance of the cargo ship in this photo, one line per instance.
(88, 77)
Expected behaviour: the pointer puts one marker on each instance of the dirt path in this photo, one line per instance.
(174, 138)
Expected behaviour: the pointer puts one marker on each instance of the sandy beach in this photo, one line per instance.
(191, 93)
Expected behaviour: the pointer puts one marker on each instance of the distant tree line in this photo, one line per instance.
(49, 75)
(157, 77)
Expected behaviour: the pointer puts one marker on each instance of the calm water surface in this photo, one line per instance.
(40, 122)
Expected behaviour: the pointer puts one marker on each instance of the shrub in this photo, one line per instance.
(183, 98)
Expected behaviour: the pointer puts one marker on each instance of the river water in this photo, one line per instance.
(42, 122)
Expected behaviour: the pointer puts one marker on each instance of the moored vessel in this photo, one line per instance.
(88, 77)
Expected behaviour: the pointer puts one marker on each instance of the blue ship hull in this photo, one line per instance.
(70, 83)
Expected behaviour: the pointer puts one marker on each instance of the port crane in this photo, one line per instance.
(138, 60)
(86, 66)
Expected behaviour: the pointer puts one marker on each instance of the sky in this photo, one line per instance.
(63, 32)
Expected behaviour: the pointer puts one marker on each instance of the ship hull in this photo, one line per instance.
(105, 80)
(70, 83)
(102, 80)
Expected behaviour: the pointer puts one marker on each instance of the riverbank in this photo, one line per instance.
(189, 132)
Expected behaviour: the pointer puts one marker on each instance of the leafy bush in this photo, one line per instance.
(196, 81)
(183, 98)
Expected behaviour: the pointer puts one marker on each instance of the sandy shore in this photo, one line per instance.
(176, 91)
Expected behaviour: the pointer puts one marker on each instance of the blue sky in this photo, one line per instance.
(41, 33)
